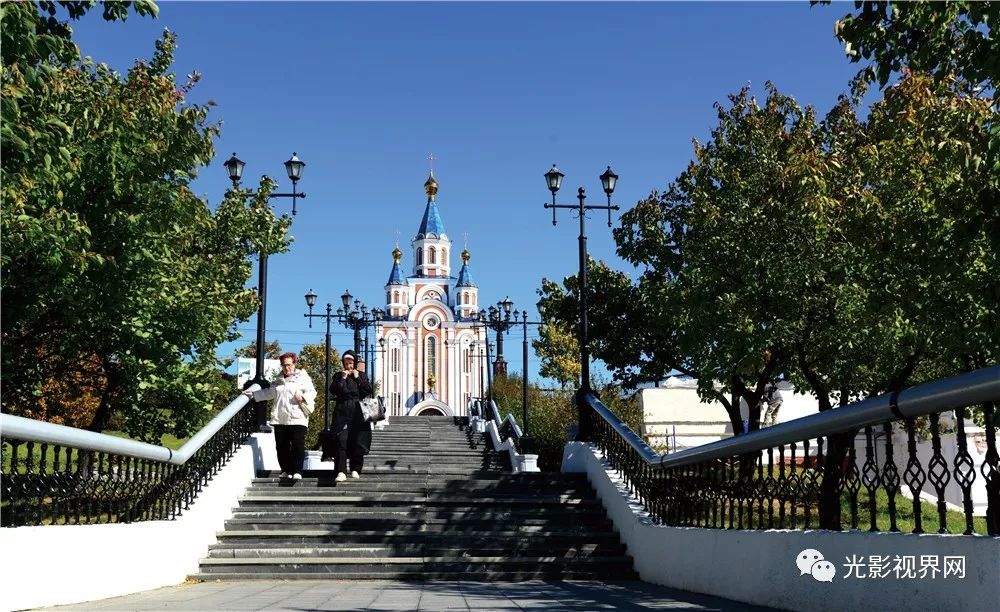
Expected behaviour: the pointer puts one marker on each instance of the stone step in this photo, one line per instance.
(443, 471)
(429, 453)
(433, 503)
(264, 510)
(468, 540)
(415, 549)
(364, 509)
(295, 532)
(312, 496)
(314, 521)
(402, 486)
(423, 568)
(421, 561)
(529, 480)
(346, 528)
(624, 574)
(418, 446)
(425, 462)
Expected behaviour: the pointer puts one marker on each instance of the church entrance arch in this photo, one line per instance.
(431, 407)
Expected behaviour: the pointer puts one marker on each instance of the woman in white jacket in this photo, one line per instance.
(294, 400)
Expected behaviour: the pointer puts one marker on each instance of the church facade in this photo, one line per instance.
(431, 347)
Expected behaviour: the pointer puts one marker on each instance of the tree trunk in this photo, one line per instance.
(836, 450)
(829, 491)
(103, 414)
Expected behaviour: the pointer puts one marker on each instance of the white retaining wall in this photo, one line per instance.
(62, 564)
(758, 567)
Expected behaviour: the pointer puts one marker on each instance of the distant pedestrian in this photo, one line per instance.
(294, 400)
(352, 432)
(773, 398)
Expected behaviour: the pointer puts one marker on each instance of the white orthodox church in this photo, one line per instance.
(433, 350)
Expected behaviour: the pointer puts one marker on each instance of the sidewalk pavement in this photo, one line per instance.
(304, 595)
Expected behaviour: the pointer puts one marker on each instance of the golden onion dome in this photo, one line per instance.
(431, 186)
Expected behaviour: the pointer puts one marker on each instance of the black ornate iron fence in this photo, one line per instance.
(53, 475)
(898, 462)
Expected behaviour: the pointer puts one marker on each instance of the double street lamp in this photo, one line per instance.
(553, 179)
(293, 167)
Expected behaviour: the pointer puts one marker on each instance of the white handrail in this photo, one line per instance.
(20, 428)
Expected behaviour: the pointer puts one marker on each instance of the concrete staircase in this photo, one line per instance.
(432, 504)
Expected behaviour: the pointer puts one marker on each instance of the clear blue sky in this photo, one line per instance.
(498, 92)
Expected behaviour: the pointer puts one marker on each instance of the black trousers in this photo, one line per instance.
(348, 447)
(290, 441)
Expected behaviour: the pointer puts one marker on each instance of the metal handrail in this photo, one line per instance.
(650, 456)
(947, 394)
(20, 428)
(495, 411)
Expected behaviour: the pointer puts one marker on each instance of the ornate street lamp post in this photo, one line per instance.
(310, 302)
(357, 318)
(381, 358)
(498, 319)
(553, 179)
(293, 168)
(501, 323)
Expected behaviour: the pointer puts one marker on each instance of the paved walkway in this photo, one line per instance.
(347, 595)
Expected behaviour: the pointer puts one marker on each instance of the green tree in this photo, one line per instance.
(113, 269)
(559, 350)
(272, 350)
(853, 257)
(933, 230)
(953, 40)
(940, 38)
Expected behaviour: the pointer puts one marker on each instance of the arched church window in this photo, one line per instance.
(466, 360)
(395, 297)
(420, 256)
(395, 360)
(388, 297)
(431, 355)
(431, 255)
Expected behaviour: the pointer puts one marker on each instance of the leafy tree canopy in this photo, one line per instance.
(115, 275)
(852, 257)
(954, 38)
(272, 350)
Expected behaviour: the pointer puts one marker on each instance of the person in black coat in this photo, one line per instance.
(352, 433)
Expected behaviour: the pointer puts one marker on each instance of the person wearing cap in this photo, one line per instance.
(352, 433)
(294, 400)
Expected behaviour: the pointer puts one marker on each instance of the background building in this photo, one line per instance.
(433, 351)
